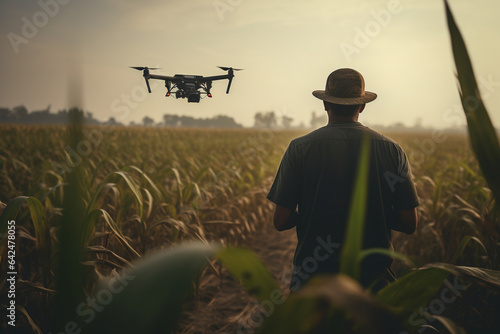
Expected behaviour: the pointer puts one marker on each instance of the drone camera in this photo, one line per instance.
(195, 98)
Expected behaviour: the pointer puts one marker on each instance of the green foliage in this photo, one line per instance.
(482, 134)
(249, 270)
(413, 290)
(38, 217)
(69, 273)
(331, 304)
(152, 294)
(350, 254)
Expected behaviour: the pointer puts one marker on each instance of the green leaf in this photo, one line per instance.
(486, 277)
(353, 240)
(463, 243)
(134, 188)
(112, 225)
(245, 266)
(413, 290)
(330, 304)
(150, 297)
(69, 272)
(147, 178)
(386, 252)
(179, 185)
(38, 217)
(482, 134)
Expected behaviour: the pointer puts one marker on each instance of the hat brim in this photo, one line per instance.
(323, 95)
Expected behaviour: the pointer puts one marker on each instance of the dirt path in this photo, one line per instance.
(222, 306)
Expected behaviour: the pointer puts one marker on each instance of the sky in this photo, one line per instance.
(50, 49)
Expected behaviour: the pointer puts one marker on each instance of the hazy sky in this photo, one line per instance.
(287, 48)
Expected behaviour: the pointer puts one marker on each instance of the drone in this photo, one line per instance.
(184, 86)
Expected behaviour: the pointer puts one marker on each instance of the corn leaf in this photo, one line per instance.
(353, 240)
(386, 252)
(249, 270)
(152, 293)
(413, 290)
(147, 178)
(38, 217)
(329, 304)
(486, 277)
(483, 138)
(134, 188)
(463, 243)
(69, 273)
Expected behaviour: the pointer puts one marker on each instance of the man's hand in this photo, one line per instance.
(284, 218)
(405, 220)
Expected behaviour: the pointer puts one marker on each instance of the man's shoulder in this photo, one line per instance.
(377, 136)
(343, 132)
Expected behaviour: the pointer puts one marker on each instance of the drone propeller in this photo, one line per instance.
(224, 68)
(145, 73)
(144, 68)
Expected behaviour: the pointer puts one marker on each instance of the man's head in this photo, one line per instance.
(345, 86)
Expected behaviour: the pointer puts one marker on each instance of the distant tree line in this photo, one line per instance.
(20, 115)
(219, 121)
(262, 119)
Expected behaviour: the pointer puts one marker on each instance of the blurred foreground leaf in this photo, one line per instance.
(350, 255)
(482, 134)
(249, 270)
(486, 277)
(331, 304)
(413, 290)
(69, 272)
(152, 294)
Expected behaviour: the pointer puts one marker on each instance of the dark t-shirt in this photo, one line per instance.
(316, 175)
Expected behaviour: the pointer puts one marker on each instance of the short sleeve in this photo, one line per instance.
(286, 185)
(405, 194)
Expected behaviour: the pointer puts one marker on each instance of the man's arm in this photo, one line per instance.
(284, 218)
(405, 220)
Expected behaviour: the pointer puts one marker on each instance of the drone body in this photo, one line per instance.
(184, 86)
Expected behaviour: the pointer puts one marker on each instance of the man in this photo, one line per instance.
(316, 176)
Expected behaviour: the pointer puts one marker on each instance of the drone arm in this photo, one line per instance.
(229, 85)
(216, 77)
(163, 77)
(147, 83)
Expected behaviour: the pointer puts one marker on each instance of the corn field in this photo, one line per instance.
(89, 210)
(147, 189)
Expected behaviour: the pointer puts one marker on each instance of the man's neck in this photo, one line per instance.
(343, 119)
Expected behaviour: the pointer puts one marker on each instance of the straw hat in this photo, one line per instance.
(345, 86)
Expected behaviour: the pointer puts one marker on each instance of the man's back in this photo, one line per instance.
(317, 174)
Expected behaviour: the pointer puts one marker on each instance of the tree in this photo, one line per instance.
(147, 121)
(265, 119)
(20, 112)
(170, 120)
